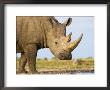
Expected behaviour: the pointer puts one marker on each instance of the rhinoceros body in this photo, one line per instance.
(35, 32)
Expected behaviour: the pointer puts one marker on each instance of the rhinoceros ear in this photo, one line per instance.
(53, 21)
(68, 22)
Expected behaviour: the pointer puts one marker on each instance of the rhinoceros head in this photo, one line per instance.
(60, 44)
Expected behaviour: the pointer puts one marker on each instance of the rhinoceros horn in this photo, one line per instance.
(73, 44)
(68, 38)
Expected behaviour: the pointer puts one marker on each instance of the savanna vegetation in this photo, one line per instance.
(56, 66)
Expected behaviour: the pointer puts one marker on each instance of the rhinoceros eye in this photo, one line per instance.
(56, 42)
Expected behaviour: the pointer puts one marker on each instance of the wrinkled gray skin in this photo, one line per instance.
(34, 33)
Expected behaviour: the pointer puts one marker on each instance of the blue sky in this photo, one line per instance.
(79, 25)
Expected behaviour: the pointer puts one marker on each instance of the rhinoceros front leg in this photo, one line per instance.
(31, 52)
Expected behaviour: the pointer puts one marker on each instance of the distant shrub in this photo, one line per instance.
(90, 58)
(38, 59)
(54, 58)
(45, 59)
(85, 61)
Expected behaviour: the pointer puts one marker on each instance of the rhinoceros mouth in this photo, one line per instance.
(64, 55)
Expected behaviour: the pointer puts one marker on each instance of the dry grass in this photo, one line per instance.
(79, 65)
